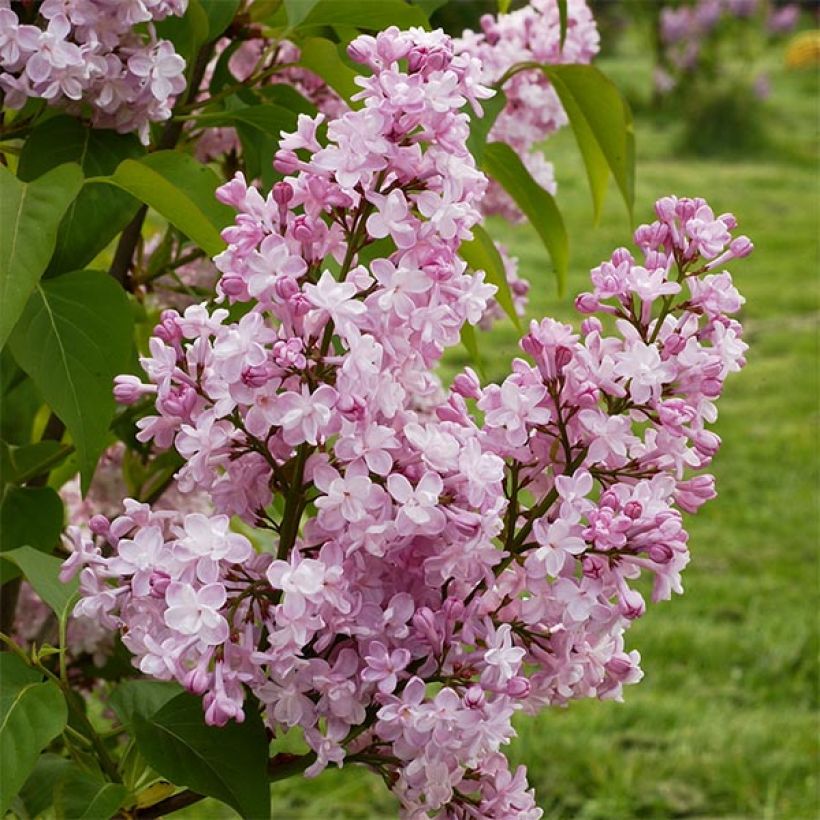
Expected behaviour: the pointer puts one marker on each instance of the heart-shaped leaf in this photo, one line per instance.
(43, 573)
(30, 214)
(29, 516)
(228, 763)
(73, 338)
(99, 212)
(80, 795)
(32, 714)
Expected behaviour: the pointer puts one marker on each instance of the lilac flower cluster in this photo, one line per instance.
(533, 110)
(423, 570)
(92, 53)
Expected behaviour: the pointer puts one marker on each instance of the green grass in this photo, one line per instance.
(725, 723)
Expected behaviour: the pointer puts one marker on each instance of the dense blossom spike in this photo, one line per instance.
(430, 566)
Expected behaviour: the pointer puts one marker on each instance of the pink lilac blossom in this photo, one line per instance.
(90, 52)
(533, 110)
(413, 540)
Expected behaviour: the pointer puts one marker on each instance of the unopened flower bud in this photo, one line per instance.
(474, 697)
(286, 287)
(633, 510)
(129, 389)
(741, 246)
(592, 324)
(518, 687)
(661, 553)
(99, 525)
(232, 285)
(587, 303)
(467, 384)
(282, 193)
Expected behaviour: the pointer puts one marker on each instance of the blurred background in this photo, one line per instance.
(725, 722)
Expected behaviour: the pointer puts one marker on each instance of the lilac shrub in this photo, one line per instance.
(424, 564)
(94, 53)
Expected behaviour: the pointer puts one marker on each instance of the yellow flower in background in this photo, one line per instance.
(804, 50)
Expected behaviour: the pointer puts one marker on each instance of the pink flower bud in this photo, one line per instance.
(741, 246)
(673, 344)
(587, 303)
(707, 443)
(286, 287)
(661, 553)
(633, 510)
(233, 192)
(592, 324)
(518, 687)
(129, 389)
(474, 697)
(631, 604)
(620, 667)
(286, 162)
(232, 285)
(467, 384)
(99, 525)
(282, 193)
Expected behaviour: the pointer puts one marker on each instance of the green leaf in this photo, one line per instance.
(602, 122)
(182, 190)
(286, 96)
(480, 253)
(371, 15)
(470, 342)
(29, 516)
(268, 118)
(73, 338)
(322, 57)
(30, 215)
(42, 572)
(538, 205)
(32, 714)
(98, 213)
(228, 763)
(220, 14)
(142, 697)
(504, 6)
(297, 10)
(480, 127)
(562, 20)
(20, 464)
(80, 795)
(37, 793)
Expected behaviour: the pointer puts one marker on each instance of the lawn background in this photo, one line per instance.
(725, 722)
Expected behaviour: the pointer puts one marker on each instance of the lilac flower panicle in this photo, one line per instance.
(404, 536)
